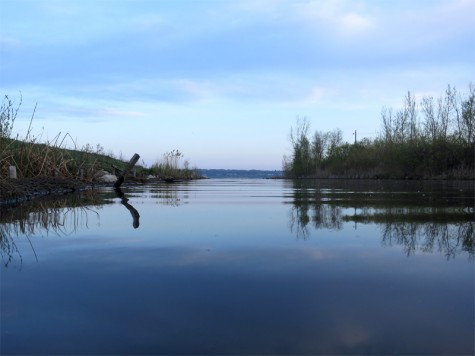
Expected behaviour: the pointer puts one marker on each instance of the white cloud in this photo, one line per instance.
(59, 8)
(340, 18)
(9, 42)
(458, 13)
(414, 27)
(352, 22)
(117, 112)
(317, 95)
(200, 90)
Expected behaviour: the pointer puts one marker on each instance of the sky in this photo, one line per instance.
(224, 81)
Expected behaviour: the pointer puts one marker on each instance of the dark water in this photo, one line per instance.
(242, 267)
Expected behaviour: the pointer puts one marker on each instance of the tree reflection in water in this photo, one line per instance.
(449, 239)
(62, 216)
(417, 221)
(320, 216)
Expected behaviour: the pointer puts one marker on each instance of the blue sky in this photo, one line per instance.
(224, 81)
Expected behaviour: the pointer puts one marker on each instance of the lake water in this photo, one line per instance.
(242, 267)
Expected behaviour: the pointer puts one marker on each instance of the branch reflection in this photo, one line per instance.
(125, 202)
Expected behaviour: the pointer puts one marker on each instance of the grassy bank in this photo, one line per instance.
(61, 157)
(33, 159)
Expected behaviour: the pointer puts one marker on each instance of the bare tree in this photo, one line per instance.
(468, 115)
(431, 125)
(301, 130)
(465, 115)
(401, 125)
(335, 138)
(387, 118)
(301, 158)
(446, 111)
(319, 146)
(410, 111)
(438, 120)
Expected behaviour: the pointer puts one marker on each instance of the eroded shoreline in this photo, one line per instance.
(17, 191)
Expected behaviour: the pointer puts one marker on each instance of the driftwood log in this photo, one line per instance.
(131, 165)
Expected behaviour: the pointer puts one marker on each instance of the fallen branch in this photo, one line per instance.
(131, 165)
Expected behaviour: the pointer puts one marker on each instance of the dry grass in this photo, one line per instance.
(59, 157)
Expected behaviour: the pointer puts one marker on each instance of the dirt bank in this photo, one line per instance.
(13, 191)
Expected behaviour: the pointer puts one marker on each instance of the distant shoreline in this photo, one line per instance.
(239, 173)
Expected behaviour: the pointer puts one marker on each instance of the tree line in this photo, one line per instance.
(429, 138)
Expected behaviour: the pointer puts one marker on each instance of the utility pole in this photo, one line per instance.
(354, 133)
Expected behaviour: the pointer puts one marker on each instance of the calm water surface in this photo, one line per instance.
(242, 267)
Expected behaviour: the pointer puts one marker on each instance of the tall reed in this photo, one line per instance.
(56, 157)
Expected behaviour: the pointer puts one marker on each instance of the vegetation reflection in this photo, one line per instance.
(62, 216)
(421, 217)
(170, 194)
